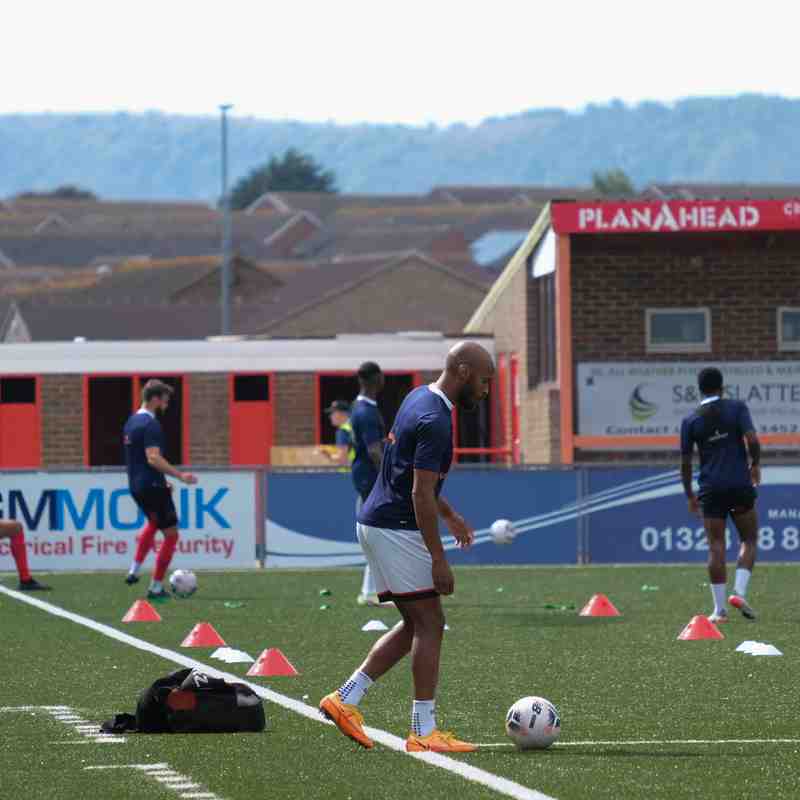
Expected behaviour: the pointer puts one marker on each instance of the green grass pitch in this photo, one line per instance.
(612, 680)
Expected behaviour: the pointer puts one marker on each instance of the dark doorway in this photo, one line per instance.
(345, 387)
(110, 401)
(475, 430)
(172, 421)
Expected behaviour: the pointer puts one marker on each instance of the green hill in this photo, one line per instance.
(750, 138)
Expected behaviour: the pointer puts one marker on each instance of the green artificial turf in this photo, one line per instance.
(611, 680)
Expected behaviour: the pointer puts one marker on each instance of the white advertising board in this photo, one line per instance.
(88, 521)
(651, 399)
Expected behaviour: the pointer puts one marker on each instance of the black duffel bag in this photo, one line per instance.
(189, 701)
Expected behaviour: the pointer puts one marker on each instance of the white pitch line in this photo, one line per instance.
(90, 741)
(144, 767)
(67, 716)
(474, 774)
(166, 776)
(634, 742)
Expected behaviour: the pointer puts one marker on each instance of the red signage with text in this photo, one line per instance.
(677, 216)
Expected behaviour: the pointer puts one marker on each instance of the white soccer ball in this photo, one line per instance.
(503, 531)
(532, 723)
(183, 582)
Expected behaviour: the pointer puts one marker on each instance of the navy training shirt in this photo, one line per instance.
(421, 438)
(368, 428)
(718, 431)
(142, 430)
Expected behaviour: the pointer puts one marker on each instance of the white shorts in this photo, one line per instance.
(399, 561)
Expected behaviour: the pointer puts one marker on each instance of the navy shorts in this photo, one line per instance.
(156, 502)
(719, 504)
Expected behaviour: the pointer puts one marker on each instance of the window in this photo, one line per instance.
(17, 390)
(789, 328)
(678, 330)
(345, 387)
(547, 329)
(251, 389)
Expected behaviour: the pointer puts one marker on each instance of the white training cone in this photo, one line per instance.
(375, 625)
(231, 656)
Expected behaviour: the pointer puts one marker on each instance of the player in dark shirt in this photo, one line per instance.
(398, 527)
(144, 447)
(369, 435)
(723, 433)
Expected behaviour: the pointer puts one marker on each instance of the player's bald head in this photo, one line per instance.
(469, 369)
(472, 355)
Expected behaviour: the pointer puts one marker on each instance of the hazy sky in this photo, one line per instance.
(388, 61)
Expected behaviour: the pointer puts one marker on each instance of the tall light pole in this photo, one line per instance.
(225, 273)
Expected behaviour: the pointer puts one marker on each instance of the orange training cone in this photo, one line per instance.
(141, 611)
(599, 606)
(700, 627)
(203, 635)
(272, 662)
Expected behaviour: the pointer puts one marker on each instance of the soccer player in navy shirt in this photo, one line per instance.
(144, 447)
(398, 528)
(368, 436)
(723, 433)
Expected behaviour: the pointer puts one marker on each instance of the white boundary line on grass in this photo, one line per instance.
(66, 715)
(185, 787)
(474, 774)
(633, 742)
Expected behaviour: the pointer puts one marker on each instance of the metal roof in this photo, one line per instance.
(394, 352)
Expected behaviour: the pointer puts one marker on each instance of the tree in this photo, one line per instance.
(66, 192)
(612, 183)
(292, 172)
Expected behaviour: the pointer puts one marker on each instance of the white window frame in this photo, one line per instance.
(685, 347)
(782, 345)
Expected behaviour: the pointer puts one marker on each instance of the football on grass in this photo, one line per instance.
(183, 582)
(532, 723)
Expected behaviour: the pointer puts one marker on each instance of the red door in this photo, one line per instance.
(20, 430)
(250, 420)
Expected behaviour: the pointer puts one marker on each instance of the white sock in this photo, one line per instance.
(718, 591)
(423, 717)
(742, 580)
(135, 567)
(156, 586)
(352, 691)
(367, 584)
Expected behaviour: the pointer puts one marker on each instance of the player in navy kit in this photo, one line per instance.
(723, 432)
(144, 447)
(398, 527)
(369, 433)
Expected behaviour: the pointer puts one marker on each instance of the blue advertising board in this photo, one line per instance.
(615, 516)
(640, 516)
(311, 517)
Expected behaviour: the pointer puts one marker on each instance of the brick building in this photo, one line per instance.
(239, 402)
(613, 307)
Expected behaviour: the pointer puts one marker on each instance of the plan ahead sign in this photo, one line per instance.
(88, 521)
(677, 216)
(651, 399)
